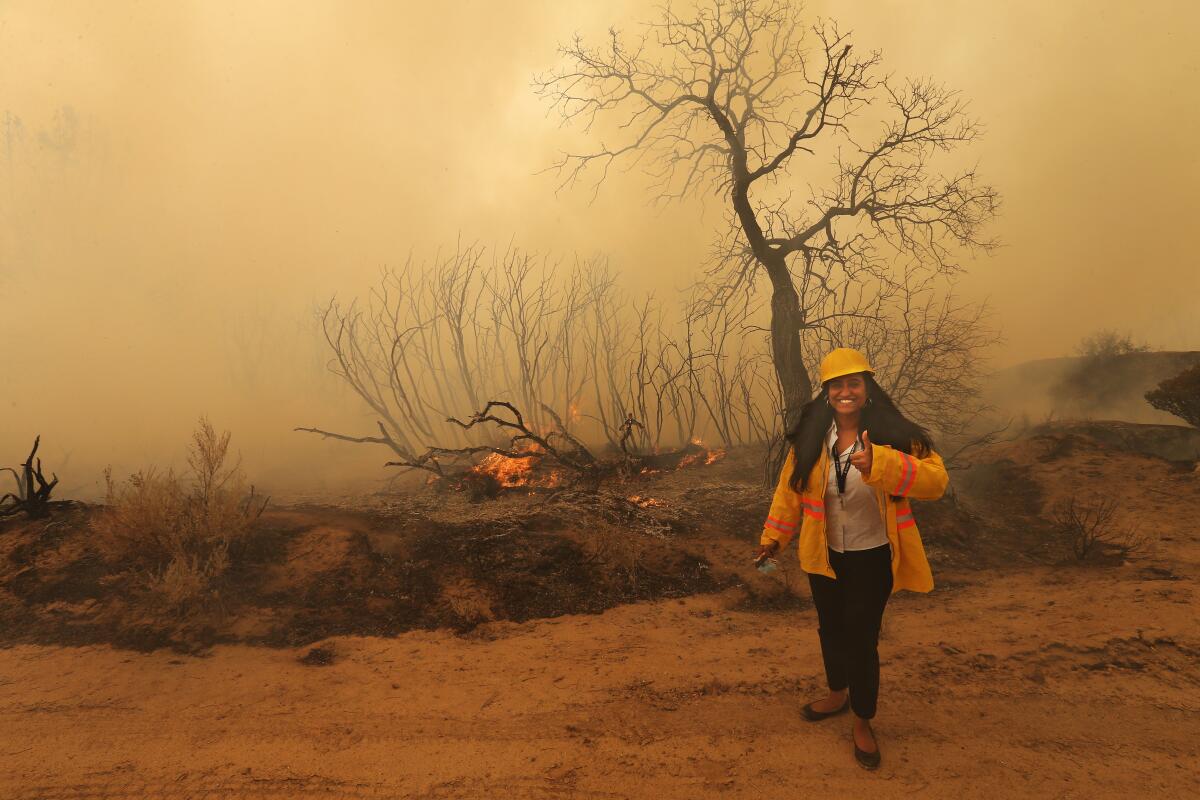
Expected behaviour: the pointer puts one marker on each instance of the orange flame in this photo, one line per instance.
(704, 456)
(513, 473)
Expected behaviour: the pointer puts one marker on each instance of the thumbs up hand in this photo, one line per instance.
(862, 459)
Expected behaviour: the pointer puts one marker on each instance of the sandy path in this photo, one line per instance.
(1048, 683)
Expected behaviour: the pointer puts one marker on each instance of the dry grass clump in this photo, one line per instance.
(178, 534)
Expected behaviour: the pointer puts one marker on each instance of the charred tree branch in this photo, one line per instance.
(33, 489)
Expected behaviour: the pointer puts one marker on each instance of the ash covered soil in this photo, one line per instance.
(615, 645)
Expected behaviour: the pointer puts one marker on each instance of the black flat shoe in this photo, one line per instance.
(812, 715)
(866, 760)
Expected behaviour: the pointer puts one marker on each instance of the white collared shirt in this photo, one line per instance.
(852, 518)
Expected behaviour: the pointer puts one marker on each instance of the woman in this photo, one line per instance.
(854, 464)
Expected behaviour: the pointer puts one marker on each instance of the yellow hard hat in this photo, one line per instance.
(843, 361)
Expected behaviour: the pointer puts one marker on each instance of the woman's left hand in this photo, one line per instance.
(862, 459)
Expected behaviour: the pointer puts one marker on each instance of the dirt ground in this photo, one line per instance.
(1021, 675)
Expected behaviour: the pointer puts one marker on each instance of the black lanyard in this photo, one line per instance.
(837, 464)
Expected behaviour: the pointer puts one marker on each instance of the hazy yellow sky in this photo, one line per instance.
(180, 182)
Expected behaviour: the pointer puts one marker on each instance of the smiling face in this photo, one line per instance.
(848, 394)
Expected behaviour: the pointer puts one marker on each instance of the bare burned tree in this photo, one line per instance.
(568, 375)
(627, 429)
(33, 490)
(419, 349)
(927, 348)
(656, 381)
(727, 365)
(566, 347)
(697, 374)
(458, 293)
(731, 99)
(606, 351)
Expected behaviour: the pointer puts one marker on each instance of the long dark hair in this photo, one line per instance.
(880, 418)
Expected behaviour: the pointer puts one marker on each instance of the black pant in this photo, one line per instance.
(849, 612)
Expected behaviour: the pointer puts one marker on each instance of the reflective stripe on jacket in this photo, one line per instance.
(894, 474)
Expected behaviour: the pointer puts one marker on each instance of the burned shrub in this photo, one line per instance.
(31, 498)
(1089, 529)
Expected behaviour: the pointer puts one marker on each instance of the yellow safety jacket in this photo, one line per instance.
(896, 477)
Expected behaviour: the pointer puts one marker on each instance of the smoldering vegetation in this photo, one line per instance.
(1107, 378)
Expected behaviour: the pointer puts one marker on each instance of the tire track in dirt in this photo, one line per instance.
(288, 788)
